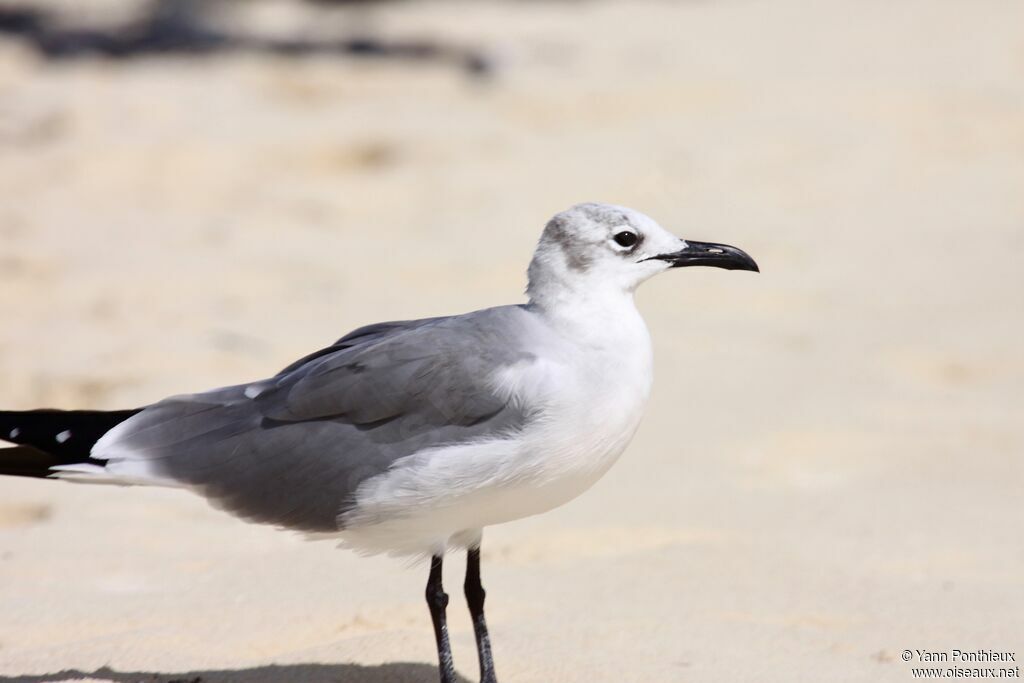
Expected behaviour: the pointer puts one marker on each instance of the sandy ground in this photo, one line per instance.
(830, 468)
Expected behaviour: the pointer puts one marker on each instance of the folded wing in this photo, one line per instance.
(292, 450)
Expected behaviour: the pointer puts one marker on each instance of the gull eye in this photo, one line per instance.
(625, 239)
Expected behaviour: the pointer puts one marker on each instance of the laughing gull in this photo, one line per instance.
(409, 437)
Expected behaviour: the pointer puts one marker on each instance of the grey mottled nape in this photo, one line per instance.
(437, 601)
(475, 595)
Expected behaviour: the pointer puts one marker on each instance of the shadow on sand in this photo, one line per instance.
(288, 673)
(181, 27)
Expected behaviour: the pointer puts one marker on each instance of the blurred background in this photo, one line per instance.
(194, 194)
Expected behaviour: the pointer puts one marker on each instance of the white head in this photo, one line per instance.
(600, 249)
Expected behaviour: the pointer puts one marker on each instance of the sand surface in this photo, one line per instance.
(830, 469)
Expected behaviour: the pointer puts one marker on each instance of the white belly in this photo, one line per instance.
(426, 502)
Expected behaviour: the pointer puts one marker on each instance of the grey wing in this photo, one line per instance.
(293, 449)
(362, 336)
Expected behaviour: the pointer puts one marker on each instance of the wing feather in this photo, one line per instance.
(292, 450)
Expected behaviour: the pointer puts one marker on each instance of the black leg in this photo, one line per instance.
(475, 595)
(437, 601)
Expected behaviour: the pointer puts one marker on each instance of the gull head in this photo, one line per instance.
(596, 248)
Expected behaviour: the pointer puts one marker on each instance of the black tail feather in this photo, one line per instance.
(25, 461)
(52, 437)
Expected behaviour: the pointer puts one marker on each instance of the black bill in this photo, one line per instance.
(710, 254)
